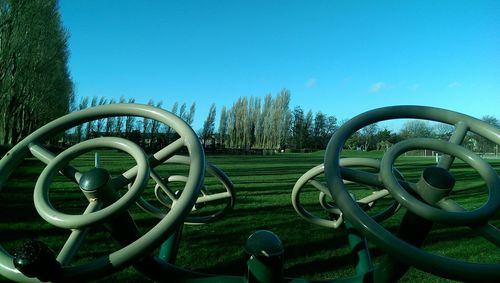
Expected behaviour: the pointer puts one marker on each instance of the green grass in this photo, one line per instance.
(263, 185)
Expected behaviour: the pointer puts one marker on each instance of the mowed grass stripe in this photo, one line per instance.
(263, 185)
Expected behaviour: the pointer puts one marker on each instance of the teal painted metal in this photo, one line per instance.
(359, 247)
(169, 248)
(265, 264)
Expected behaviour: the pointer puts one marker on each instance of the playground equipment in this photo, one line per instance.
(335, 216)
(167, 194)
(429, 199)
(426, 201)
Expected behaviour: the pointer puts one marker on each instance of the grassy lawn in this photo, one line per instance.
(263, 186)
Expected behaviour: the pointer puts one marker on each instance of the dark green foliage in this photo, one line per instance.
(35, 86)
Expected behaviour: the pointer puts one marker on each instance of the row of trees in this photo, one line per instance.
(35, 86)
(249, 125)
(147, 132)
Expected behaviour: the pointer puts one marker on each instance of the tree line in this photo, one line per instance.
(251, 125)
(35, 86)
(273, 125)
(149, 133)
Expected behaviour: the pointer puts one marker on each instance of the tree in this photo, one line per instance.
(90, 124)
(100, 122)
(222, 126)
(129, 120)
(383, 139)
(155, 128)
(110, 122)
(368, 136)
(146, 128)
(483, 144)
(34, 81)
(443, 131)
(192, 111)
(209, 125)
(308, 124)
(281, 118)
(266, 123)
(298, 127)
(168, 130)
(319, 129)
(416, 129)
(79, 129)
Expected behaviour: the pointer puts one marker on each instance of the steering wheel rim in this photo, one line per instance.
(336, 223)
(164, 195)
(473, 217)
(75, 221)
(157, 234)
(409, 254)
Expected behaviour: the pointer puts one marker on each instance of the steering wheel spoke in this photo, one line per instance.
(487, 230)
(458, 136)
(349, 175)
(44, 155)
(220, 197)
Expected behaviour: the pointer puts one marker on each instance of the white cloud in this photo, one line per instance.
(312, 82)
(378, 86)
(454, 85)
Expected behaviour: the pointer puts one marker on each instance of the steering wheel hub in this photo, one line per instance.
(94, 179)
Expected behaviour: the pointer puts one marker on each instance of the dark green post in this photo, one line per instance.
(359, 247)
(265, 264)
(169, 249)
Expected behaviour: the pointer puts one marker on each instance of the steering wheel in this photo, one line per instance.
(428, 198)
(367, 202)
(215, 199)
(105, 204)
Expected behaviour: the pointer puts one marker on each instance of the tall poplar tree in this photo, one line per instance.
(35, 85)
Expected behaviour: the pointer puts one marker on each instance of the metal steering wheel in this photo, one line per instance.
(367, 202)
(224, 197)
(104, 202)
(428, 198)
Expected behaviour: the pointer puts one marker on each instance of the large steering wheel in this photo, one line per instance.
(215, 199)
(428, 198)
(336, 216)
(105, 204)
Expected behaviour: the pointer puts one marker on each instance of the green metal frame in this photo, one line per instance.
(135, 246)
(453, 213)
(264, 249)
(168, 197)
(337, 220)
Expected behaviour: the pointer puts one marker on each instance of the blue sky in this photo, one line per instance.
(338, 57)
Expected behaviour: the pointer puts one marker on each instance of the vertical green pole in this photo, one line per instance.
(359, 246)
(265, 264)
(169, 249)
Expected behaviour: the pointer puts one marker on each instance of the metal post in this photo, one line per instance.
(359, 246)
(97, 160)
(169, 249)
(265, 264)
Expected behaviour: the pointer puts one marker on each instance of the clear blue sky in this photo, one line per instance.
(338, 57)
